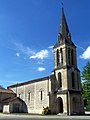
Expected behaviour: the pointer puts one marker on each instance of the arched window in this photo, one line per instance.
(41, 95)
(29, 96)
(73, 80)
(69, 56)
(72, 57)
(60, 79)
(61, 56)
(59, 38)
(58, 57)
(78, 80)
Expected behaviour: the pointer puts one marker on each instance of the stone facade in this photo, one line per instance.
(34, 93)
(61, 91)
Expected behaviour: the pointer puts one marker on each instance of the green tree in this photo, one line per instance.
(86, 85)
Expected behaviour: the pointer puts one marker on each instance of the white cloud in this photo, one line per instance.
(40, 55)
(29, 53)
(50, 47)
(17, 54)
(24, 49)
(86, 53)
(40, 62)
(41, 69)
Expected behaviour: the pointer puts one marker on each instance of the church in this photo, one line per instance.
(60, 91)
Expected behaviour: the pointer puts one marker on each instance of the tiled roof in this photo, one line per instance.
(30, 81)
(7, 100)
(3, 90)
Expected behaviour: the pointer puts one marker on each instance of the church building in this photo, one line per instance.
(60, 91)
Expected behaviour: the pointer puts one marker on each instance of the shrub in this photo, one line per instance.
(46, 111)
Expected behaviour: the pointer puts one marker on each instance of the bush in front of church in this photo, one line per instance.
(46, 111)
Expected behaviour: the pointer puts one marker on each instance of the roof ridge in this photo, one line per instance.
(29, 81)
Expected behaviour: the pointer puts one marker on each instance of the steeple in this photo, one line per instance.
(64, 36)
(65, 75)
(64, 31)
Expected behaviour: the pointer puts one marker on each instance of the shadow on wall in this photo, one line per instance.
(15, 105)
(18, 106)
(1, 108)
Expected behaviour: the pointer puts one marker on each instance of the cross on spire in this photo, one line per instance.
(62, 4)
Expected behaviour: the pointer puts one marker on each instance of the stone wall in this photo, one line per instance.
(34, 94)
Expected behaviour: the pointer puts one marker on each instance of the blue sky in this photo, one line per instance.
(28, 31)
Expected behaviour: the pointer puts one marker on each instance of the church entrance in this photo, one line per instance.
(59, 105)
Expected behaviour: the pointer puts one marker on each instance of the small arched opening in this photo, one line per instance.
(60, 79)
(58, 58)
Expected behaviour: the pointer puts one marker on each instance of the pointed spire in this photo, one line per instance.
(64, 36)
(64, 31)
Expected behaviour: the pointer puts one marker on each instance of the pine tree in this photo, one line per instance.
(86, 85)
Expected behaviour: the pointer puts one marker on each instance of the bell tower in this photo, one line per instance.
(64, 49)
(67, 85)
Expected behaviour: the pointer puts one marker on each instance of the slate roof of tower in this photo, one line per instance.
(64, 36)
(63, 25)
